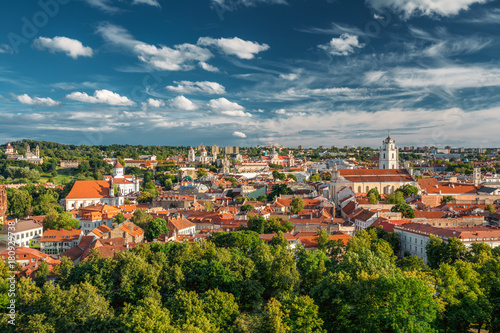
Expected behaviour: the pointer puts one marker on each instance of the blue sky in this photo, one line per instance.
(249, 72)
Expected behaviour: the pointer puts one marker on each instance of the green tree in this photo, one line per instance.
(141, 218)
(447, 198)
(156, 228)
(315, 177)
(119, 218)
(372, 199)
(147, 316)
(297, 205)
(247, 208)
(375, 192)
(201, 173)
(490, 208)
(274, 317)
(405, 209)
(18, 202)
(56, 221)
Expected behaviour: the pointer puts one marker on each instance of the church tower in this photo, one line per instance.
(476, 176)
(389, 157)
(191, 155)
(37, 151)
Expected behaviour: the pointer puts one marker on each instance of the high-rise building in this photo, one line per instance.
(215, 149)
(230, 150)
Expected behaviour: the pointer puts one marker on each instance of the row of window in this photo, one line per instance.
(29, 234)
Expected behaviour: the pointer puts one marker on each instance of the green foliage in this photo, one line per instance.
(405, 209)
(279, 189)
(56, 221)
(447, 198)
(439, 252)
(155, 228)
(315, 177)
(119, 218)
(262, 226)
(490, 208)
(247, 208)
(408, 190)
(297, 205)
(375, 193)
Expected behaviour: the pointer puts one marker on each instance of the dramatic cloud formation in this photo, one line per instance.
(235, 46)
(409, 8)
(39, 101)
(182, 103)
(188, 87)
(72, 47)
(101, 97)
(342, 46)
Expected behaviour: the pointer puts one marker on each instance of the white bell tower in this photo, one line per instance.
(389, 157)
(191, 155)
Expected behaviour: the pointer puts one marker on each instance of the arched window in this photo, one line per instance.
(384, 155)
(367, 189)
(359, 189)
(392, 155)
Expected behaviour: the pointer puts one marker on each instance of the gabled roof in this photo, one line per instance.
(180, 223)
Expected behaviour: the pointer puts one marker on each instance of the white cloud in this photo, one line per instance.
(106, 5)
(233, 4)
(172, 59)
(342, 46)
(101, 97)
(236, 113)
(289, 77)
(239, 134)
(234, 46)
(4, 48)
(410, 8)
(450, 78)
(39, 101)
(155, 103)
(228, 108)
(280, 111)
(146, 2)
(181, 102)
(208, 67)
(189, 87)
(72, 47)
(179, 57)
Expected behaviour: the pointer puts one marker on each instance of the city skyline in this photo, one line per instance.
(250, 73)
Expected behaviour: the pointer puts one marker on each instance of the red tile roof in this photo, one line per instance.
(89, 189)
(61, 235)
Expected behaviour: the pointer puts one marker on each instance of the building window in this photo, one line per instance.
(367, 189)
(384, 155)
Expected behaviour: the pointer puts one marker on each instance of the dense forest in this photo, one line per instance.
(236, 283)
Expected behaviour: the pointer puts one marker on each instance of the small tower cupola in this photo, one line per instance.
(118, 170)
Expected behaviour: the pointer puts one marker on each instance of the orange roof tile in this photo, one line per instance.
(89, 189)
